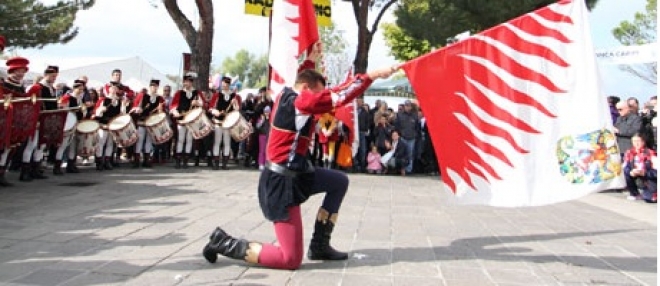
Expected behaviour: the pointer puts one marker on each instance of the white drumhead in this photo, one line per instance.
(192, 115)
(231, 119)
(119, 122)
(71, 121)
(154, 119)
(87, 126)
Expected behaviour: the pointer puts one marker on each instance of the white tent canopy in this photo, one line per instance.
(136, 73)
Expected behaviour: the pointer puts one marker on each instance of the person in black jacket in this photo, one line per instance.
(401, 156)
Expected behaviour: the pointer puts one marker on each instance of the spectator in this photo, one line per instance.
(374, 166)
(626, 126)
(408, 124)
(364, 121)
(397, 157)
(612, 101)
(382, 133)
(647, 130)
(633, 103)
(263, 128)
(640, 173)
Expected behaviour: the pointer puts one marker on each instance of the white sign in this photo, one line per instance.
(628, 55)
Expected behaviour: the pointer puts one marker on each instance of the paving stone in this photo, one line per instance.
(48, 277)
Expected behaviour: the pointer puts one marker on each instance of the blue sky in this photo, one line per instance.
(117, 29)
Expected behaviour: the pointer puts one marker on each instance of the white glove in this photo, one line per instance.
(215, 112)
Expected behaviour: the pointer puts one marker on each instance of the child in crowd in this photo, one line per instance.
(374, 166)
(640, 172)
(263, 127)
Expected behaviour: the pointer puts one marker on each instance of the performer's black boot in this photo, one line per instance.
(3, 180)
(225, 159)
(25, 173)
(136, 161)
(319, 247)
(147, 160)
(99, 163)
(209, 162)
(216, 163)
(107, 163)
(177, 164)
(57, 168)
(71, 167)
(35, 171)
(185, 161)
(222, 243)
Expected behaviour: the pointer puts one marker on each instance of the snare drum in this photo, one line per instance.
(158, 128)
(197, 123)
(88, 137)
(238, 127)
(123, 130)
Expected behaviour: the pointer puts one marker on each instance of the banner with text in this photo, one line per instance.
(628, 54)
(264, 8)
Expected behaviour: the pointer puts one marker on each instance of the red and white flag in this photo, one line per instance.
(347, 114)
(516, 114)
(293, 33)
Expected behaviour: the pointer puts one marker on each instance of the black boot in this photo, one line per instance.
(209, 162)
(35, 171)
(136, 161)
(25, 173)
(3, 180)
(57, 168)
(107, 163)
(71, 167)
(99, 163)
(222, 243)
(177, 164)
(216, 163)
(197, 161)
(185, 162)
(225, 159)
(319, 248)
(146, 162)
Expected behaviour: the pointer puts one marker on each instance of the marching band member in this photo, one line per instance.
(222, 103)
(289, 179)
(184, 100)
(106, 109)
(144, 106)
(17, 67)
(33, 153)
(123, 91)
(72, 99)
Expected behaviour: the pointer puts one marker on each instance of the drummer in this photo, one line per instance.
(146, 105)
(185, 100)
(33, 153)
(72, 100)
(222, 103)
(107, 108)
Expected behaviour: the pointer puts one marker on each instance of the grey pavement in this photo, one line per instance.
(148, 227)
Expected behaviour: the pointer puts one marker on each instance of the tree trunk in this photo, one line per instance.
(199, 41)
(361, 61)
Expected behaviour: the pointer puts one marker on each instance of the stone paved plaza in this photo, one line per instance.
(148, 227)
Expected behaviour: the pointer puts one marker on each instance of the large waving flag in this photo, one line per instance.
(516, 114)
(293, 33)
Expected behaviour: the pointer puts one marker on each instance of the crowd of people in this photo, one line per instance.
(636, 130)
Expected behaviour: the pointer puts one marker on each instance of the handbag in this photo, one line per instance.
(345, 155)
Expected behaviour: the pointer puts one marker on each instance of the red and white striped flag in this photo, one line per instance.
(293, 33)
(516, 114)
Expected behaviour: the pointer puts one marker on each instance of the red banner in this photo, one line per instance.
(5, 127)
(51, 127)
(24, 121)
(186, 63)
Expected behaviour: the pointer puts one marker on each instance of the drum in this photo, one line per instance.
(238, 127)
(123, 130)
(158, 128)
(88, 137)
(197, 123)
(69, 127)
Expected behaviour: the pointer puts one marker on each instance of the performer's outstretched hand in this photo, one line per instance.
(383, 72)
